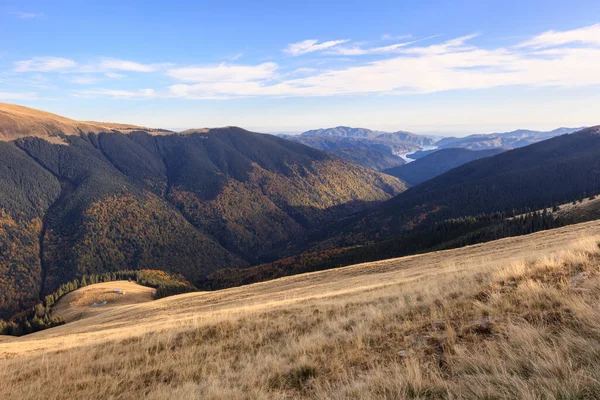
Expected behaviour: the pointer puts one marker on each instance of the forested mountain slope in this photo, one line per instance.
(557, 170)
(437, 163)
(186, 204)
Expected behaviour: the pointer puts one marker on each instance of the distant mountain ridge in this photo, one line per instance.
(363, 133)
(513, 139)
(554, 171)
(369, 148)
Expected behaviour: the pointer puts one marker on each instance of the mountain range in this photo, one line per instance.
(557, 170)
(385, 150)
(513, 139)
(88, 198)
(372, 149)
(90, 202)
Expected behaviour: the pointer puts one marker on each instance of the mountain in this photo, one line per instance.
(366, 152)
(190, 203)
(372, 149)
(556, 170)
(344, 131)
(436, 163)
(362, 133)
(514, 139)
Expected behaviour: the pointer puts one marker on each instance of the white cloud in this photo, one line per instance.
(311, 45)
(224, 73)
(18, 96)
(451, 65)
(116, 94)
(114, 75)
(25, 15)
(237, 56)
(387, 36)
(84, 80)
(585, 35)
(359, 51)
(125, 65)
(45, 64)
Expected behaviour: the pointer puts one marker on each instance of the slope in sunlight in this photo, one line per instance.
(506, 318)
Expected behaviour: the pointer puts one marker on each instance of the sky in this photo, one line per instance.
(447, 67)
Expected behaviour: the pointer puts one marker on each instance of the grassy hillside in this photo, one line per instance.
(516, 318)
(19, 121)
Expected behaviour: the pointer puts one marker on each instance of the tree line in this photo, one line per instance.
(451, 233)
(39, 317)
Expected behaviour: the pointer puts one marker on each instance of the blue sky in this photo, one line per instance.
(427, 66)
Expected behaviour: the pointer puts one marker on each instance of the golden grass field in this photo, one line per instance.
(19, 121)
(76, 305)
(515, 318)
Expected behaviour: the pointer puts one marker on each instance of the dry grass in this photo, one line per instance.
(516, 318)
(18, 121)
(77, 305)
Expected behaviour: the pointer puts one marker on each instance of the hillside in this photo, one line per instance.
(187, 204)
(509, 318)
(437, 163)
(18, 121)
(554, 171)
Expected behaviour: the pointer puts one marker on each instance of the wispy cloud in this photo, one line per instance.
(116, 94)
(387, 36)
(26, 15)
(66, 65)
(45, 64)
(311, 45)
(360, 51)
(588, 34)
(224, 73)
(114, 75)
(236, 57)
(125, 65)
(84, 80)
(18, 96)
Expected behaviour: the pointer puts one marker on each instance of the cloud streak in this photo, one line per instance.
(585, 35)
(26, 15)
(310, 46)
(45, 64)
